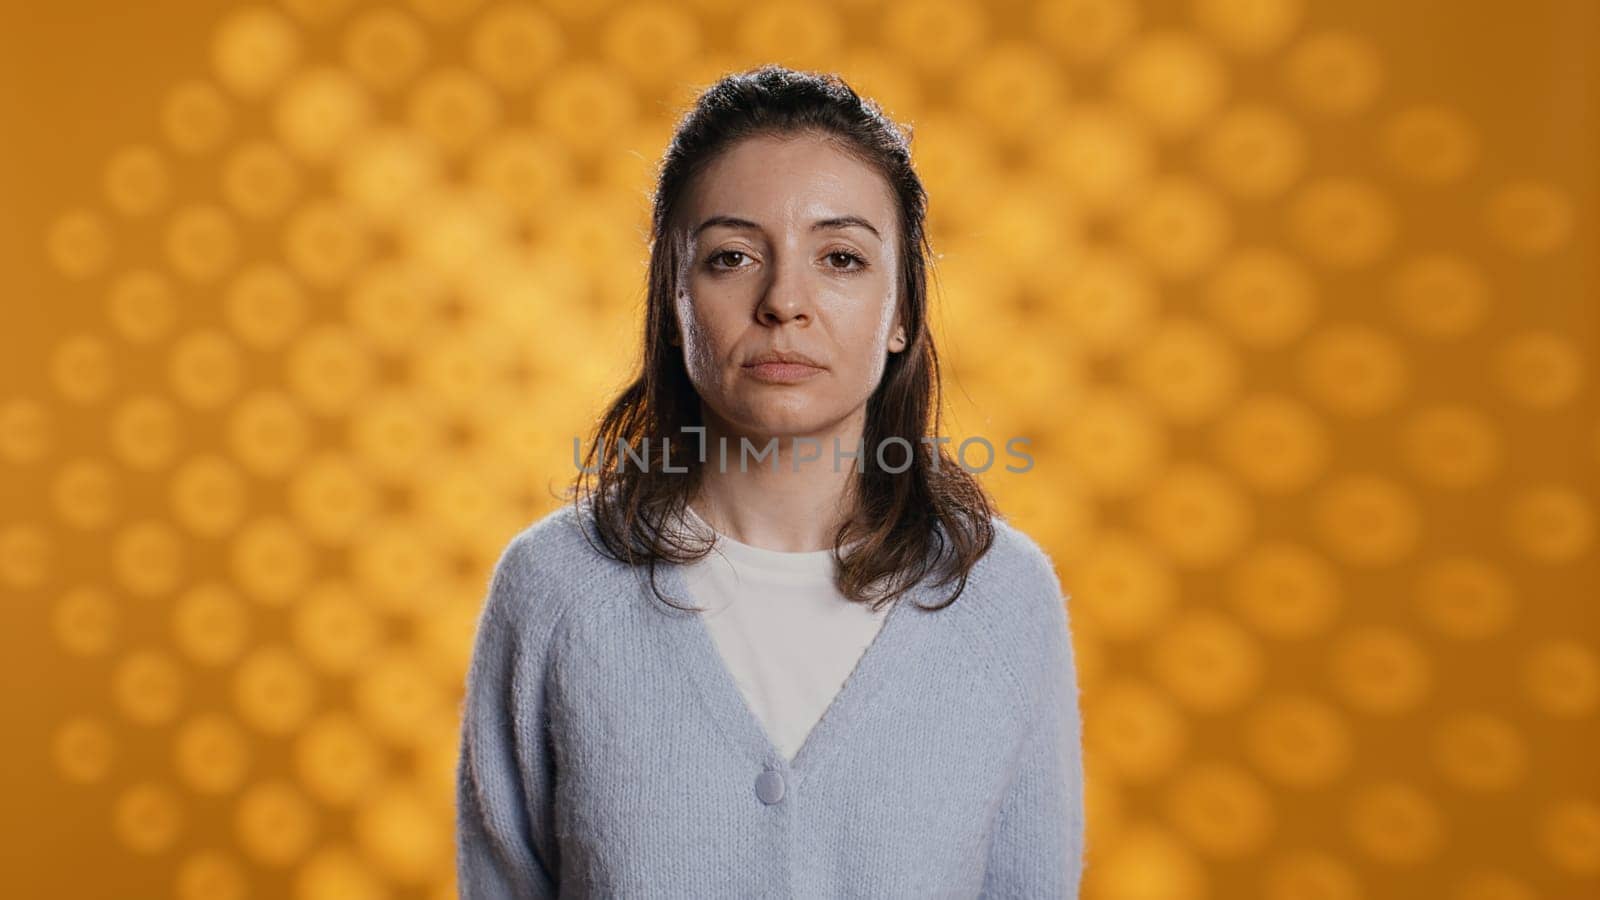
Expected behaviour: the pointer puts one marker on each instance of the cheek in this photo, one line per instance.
(868, 326)
(706, 339)
(698, 354)
(876, 307)
(863, 349)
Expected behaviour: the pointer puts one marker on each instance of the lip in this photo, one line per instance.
(782, 372)
(782, 356)
(782, 367)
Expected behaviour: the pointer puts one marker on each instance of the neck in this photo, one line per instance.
(785, 501)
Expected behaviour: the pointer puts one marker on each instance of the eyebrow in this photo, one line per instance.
(837, 222)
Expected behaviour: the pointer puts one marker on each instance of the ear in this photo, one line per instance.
(897, 340)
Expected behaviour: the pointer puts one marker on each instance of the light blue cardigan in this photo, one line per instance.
(607, 752)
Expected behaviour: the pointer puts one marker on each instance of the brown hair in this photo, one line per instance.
(933, 516)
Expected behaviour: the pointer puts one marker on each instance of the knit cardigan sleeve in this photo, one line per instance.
(1038, 846)
(505, 836)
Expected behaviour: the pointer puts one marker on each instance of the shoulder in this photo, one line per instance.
(540, 570)
(1017, 581)
(552, 533)
(1018, 564)
(542, 546)
(1019, 601)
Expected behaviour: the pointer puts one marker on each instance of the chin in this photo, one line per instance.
(783, 424)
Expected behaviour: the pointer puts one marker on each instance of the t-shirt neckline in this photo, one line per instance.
(819, 563)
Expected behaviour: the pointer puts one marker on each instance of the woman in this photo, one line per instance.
(647, 717)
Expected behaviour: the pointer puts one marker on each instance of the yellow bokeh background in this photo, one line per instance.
(303, 303)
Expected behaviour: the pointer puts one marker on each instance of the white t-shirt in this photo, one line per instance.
(786, 634)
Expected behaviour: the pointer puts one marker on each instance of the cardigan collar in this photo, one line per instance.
(696, 651)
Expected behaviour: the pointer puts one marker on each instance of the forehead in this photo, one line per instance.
(777, 179)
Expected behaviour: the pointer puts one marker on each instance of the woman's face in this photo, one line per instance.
(792, 246)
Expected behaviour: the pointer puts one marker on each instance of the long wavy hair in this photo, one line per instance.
(932, 518)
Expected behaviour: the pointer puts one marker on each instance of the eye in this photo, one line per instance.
(848, 257)
(722, 254)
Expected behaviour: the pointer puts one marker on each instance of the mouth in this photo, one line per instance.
(782, 369)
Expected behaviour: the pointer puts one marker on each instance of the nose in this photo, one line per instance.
(786, 298)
